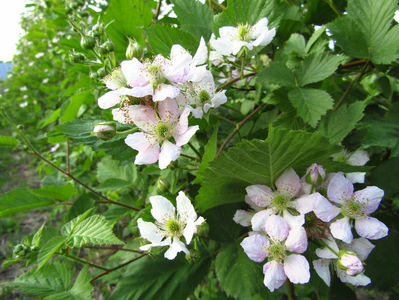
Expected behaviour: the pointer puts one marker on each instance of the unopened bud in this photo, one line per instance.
(76, 57)
(162, 185)
(350, 262)
(315, 174)
(134, 50)
(101, 72)
(106, 47)
(87, 42)
(20, 250)
(104, 131)
(97, 30)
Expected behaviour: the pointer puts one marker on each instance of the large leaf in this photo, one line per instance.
(8, 141)
(94, 230)
(239, 276)
(49, 249)
(209, 154)
(277, 73)
(111, 169)
(310, 104)
(76, 102)
(194, 17)
(63, 193)
(260, 162)
(157, 278)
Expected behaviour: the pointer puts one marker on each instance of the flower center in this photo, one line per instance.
(277, 251)
(204, 96)
(352, 209)
(243, 31)
(280, 202)
(162, 131)
(173, 226)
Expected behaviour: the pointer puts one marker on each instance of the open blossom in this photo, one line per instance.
(280, 246)
(170, 227)
(357, 206)
(154, 142)
(232, 39)
(347, 263)
(357, 158)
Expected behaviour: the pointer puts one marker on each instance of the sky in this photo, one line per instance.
(10, 31)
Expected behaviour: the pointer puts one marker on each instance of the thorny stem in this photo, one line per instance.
(236, 130)
(231, 81)
(117, 267)
(290, 290)
(349, 89)
(36, 153)
(115, 247)
(194, 149)
(75, 258)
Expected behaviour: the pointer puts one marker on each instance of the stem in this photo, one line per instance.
(194, 149)
(231, 81)
(36, 153)
(349, 89)
(235, 131)
(127, 131)
(117, 267)
(157, 11)
(224, 119)
(332, 6)
(67, 158)
(290, 290)
(75, 258)
(323, 243)
(189, 156)
(115, 247)
(353, 64)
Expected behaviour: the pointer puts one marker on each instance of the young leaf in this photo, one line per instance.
(8, 141)
(311, 104)
(49, 249)
(277, 73)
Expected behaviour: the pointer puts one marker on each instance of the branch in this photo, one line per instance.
(353, 64)
(290, 290)
(84, 261)
(114, 247)
(235, 131)
(231, 81)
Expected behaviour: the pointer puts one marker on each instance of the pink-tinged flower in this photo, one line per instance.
(357, 206)
(232, 39)
(347, 263)
(314, 177)
(244, 217)
(357, 158)
(154, 142)
(280, 246)
(170, 227)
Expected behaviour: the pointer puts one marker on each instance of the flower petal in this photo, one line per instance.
(185, 137)
(260, 195)
(219, 99)
(293, 221)
(164, 91)
(274, 275)
(162, 209)
(277, 228)
(149, 231)
(258, 221)
(201, 55)
(371, 228)
(255, 246)
(370, 198)
(341, 230)
(296, 267)
(356, 177)
(317, 203)
(289, 183)
(176, 247)
(322, 268)
(144, 117)
(329, 252)
(169, 152)
(148, 153)
(358, 158)
(297, 240)
(109, 99)
(133, 71)
(185, 210)
(361, 246)
(358, 280)
(169, 110)
(243, 217)
(339, 189)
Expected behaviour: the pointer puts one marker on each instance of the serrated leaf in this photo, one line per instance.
(209, 154)
(239, 276)
(94, 230)
(109, 169)
(337, 125)
(277, 73)
(310, 104)
(8, 141)
(49, 249)
(316, 67)
(295, 45)
(63, 193)
(260, 162)
(38, 235)
(194, 17)
(314, 37)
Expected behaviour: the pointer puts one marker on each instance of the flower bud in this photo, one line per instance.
(315, 174)
(106, 47)
(20, 250)
(134, 50)
(97, 30)
(104, 131)
(101, 72)
(350, 262)
(76, 57)
(162, 185)
(87, 42)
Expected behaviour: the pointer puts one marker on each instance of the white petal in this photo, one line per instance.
(297, 240)
(132, 69)
(265, 38)
(243, 217)
(329, 252)
(222, 46)
(185, 137)
(358, 280)
(185, 210)
(169, 111)
(296, 267)
(274, 275)
(148, 153)
(109, 99)
(176, 247)
(371, 228)
(180, 57)
(322, 268)
(165, 91)
(143, 117)
(362, 247)
(219, 99)
(370, 198)
(169, 152)
(293, 221)
(340, 189)
(341, 230)
(162, 209)
(260, 195)
(277, 228)
(149, 231)
(289, 183)
(259, 27)
(255, 246)
(142, 91)
(201, 55)
(358, 158)
(317, 203)
(356, 177)
(258, 221)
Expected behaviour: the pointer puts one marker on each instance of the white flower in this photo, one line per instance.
(170, 226)
(357, 158)
(232, 39)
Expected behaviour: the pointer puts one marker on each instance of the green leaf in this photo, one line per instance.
(8, 141)
(109, 169)
(38, 235)
(161, 39)
(260, 162)
(20, 200)
(77, 100)
(386, 175)
(295, 45)
(314, 37)
(94, 230)
(63, 193)
(194, 17)
(277, 73)
(311, 104)
(52, 118)
(337, 125)
(209, 154)
(239, 276)
(316, 67)
(157, 278)
(49, 249)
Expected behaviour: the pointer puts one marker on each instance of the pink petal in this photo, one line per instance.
(182, 125)
(277, 228)
(371, 228)
(260, 195)
(255, 246)
(133, 71)
(143, 117)
(274, 275)
(296, 267)
(109, 99)
(322, 268)
(370, 198)
(297, 240)
(289, 183)
(164, 91)
(148, 153)
(168, 110)
(258, 221)
(293, 221)
(243, 217)
(341, 230)
(339, 189)
(142, 91)
(317, 203)
(185, 137)
(169, 152)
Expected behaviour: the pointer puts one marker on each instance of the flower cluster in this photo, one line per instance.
(284, 218)
(170, 226)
